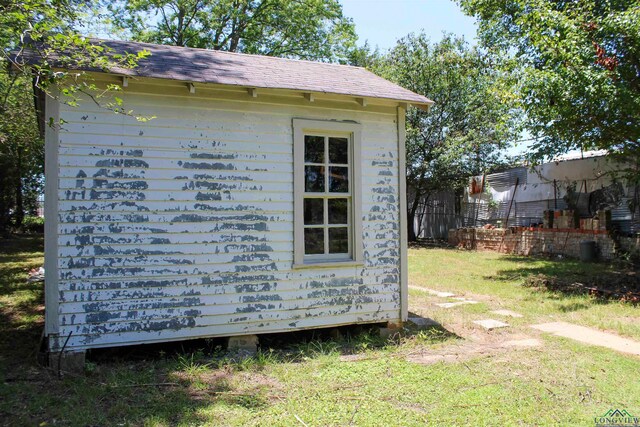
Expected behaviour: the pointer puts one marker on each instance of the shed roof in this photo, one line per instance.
(257, 71)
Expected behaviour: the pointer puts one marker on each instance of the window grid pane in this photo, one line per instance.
(338, 150)
(314, 151)
(338, 211)
(314, 241)
(339, 179)
(327, 179)
(314, 211)
(315, 178)
(338, 240)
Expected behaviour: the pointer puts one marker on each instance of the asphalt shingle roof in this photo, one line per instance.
(256, 71)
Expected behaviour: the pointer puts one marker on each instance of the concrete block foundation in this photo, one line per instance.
(67, 361)
(247, 344)
(390, 330)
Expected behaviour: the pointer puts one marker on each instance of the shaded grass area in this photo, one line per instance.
(339, 377)
(206, 385)
(21, 303)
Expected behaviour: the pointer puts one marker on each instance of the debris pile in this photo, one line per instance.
(622, 286)
(36, 275)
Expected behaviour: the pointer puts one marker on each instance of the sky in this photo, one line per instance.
(383, 22)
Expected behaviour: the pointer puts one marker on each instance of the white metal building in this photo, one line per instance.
(587, 179)
(265, 195)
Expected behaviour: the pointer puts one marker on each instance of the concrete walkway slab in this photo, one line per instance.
(455, 304)
(490, 324)
(507, 313)
(591, 336)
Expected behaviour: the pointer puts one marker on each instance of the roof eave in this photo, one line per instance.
(405, 103)
(422, 106)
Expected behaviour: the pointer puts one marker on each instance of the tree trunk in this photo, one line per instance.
(421, 215)
(411, 233)
(19, 216)
(179, 37)
(411, 215)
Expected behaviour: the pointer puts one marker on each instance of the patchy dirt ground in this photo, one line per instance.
(476, 341)
(468, 350)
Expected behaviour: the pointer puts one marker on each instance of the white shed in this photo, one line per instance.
(265, 195)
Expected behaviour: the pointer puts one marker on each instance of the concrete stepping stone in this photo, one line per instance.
(455, 304)
(507, 313)
(441, 294)
(423, 321)
(590, 336)
(433, 292)
(490, 324)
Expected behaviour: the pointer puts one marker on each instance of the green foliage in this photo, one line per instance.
(364, 56)
(41, 54)
(492, 204)
(470, 122)
(21, 152)
(307, 29)
(578, 65)
(33, 224)
(43, 39)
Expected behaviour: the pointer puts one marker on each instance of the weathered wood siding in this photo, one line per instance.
(182, 226)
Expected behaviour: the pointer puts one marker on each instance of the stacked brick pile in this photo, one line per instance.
(569, 219)
(560, 234)
(535, 241)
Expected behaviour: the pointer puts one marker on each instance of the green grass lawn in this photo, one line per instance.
(359, 380)
(500, 277)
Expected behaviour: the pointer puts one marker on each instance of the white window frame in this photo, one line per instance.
(353, 131)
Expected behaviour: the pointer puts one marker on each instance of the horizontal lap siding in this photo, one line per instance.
(182, 226)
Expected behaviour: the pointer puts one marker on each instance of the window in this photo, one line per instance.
(326, 192)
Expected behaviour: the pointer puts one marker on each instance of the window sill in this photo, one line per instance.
(328, 264)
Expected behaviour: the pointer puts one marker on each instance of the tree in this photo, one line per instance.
(21, 153)
(306, 29)
(467, 126)
(39, 40)
(364, 56)
(578, 65)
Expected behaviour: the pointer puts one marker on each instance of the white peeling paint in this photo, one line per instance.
(182, 227)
